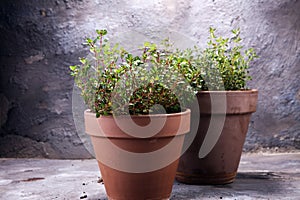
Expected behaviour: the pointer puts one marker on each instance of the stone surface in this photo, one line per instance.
(260, 176)
(40, 39)
(35, 80)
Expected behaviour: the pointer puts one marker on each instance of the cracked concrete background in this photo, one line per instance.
(40, 39)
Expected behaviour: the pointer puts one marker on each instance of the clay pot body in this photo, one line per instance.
(220, 165)
(140, 175)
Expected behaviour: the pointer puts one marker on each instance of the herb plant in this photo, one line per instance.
(115, 81)
(223, 65)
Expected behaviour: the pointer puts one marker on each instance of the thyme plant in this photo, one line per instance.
(223, 65)
(115, 81)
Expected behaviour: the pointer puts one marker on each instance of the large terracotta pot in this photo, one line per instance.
(138, 168)
(220, 164)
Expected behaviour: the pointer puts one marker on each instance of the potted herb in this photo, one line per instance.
(219, 73)
(137, 118)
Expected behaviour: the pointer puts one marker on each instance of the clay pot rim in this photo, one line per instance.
(106, 125)
(229, 91)
(236, 102)
(187, 111)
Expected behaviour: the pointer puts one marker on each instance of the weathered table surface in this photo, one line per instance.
(261, 176)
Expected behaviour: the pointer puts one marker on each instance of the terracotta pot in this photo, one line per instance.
(138, 168)
(220, 165)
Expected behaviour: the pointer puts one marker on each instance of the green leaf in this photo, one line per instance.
(73, 67)
(101, 32)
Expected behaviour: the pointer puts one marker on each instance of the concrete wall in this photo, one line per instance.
(40, 39)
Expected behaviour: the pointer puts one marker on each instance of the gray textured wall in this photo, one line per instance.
(40, 39)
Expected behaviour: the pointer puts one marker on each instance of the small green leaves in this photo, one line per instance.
(89, 41)
(212, 32)
(236, 31)
(147, 44)
(228, 62)
(101, 32)
(154, 75)
(73, 68)
(138, 81)
(150, 46)
(83, 60)
(221, 66)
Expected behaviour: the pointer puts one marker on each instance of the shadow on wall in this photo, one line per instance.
(35, 86)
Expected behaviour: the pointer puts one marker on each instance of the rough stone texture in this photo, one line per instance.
(40, 39)
(260, 176)
(35, 82)
(276, 74)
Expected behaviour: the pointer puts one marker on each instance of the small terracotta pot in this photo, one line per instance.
(138, 168)
(220, 165)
